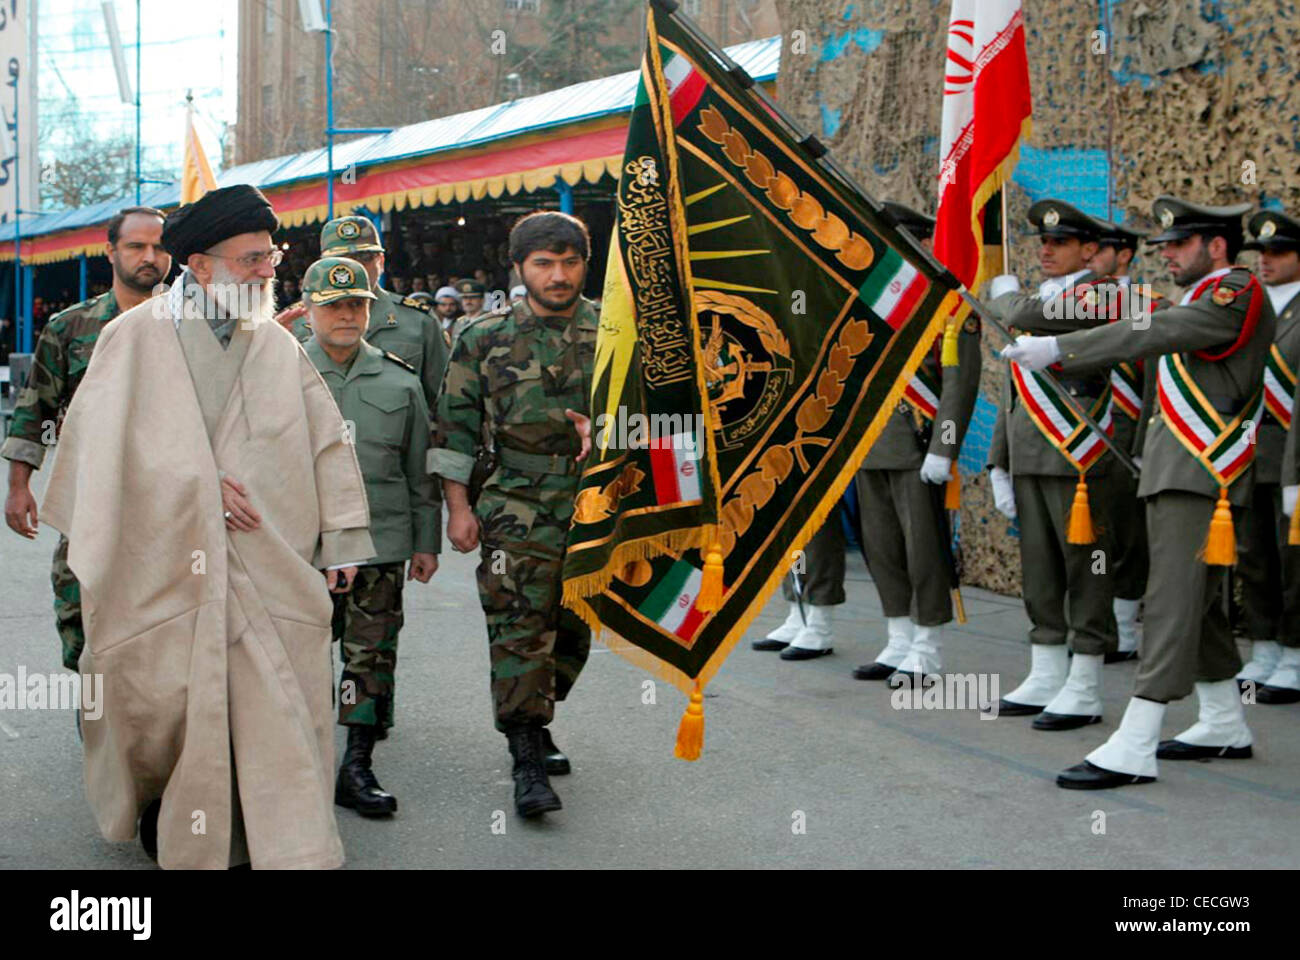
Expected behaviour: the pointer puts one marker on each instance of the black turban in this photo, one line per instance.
(216, 216)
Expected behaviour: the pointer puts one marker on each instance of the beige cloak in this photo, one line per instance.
(211, 642)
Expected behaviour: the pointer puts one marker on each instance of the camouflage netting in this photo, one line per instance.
(1192, 97)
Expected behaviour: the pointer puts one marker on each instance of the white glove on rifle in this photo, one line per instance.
(1033, 353)
(936, 469)
(1004, 495)
(1289, 498)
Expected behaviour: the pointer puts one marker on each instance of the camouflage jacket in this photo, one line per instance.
(58, 363)
(510, 378)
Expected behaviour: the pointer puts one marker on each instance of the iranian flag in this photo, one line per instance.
(672, 603)
(986, 112)
(685, 84)
(676, 462)
(893, 288)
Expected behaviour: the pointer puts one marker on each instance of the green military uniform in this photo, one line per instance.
(464, 288)
(822, 580)
(1268, 569)
(60, 360)
(1066, 599)
(511, 376)
(1186, 636)
(398, 325)
(382, 401)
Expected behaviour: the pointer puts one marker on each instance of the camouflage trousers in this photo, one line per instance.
(67, 606)
(366, 622)
(537, 646)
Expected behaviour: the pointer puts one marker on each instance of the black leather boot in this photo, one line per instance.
(356, 786)
(557, 763)
(533, 793)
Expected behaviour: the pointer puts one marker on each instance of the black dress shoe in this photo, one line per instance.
(1062, 721)
(1009, 708)
(1119, 656)
(556, 762)
(803, 653)
(1089, 776)
(1266, 694)
(766, 644)
(873, 671)
(1177, 750)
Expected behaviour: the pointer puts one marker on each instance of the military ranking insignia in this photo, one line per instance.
(349, 230)
(1051, 218)
(1268, 229)
(1166, 218)
(1223, 296)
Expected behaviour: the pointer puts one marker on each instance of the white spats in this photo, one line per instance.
(925, 655)
(1221, 721)
(1047, 670)
(1126, 620)
(1287, 672)
(899, 642)
(816, 635)
(1264, 656)
(1081, 695)
(1132, 748)
(790, 629)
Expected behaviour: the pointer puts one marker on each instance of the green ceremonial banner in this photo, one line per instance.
(760, 324)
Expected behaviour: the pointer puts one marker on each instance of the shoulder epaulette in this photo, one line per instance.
(421, 305)
(399, 361)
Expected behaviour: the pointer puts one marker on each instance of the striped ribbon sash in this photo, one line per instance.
(1077, 442)
(922, 392)
(1279, 387)
(1225, 450)
(1126, 389)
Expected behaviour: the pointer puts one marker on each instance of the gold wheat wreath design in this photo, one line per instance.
(804, 210)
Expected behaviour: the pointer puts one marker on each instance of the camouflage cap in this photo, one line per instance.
(344, 235)
(334, 278)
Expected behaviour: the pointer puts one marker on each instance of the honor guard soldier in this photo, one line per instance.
(1116, 248)
(62, 354)
(901, 486)
(1051, 470)
(1269, 570)
(519, 385)
(1208, 355)
(382, 402)
(472, 294)
(398, 324)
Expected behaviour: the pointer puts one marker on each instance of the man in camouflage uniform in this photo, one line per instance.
(382, 401)
(60, 360)
(398, 324)
(519, 384)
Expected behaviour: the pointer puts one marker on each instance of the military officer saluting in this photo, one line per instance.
(382, 402)
(1269, 570)
(1208, 356)
(398, 324)
(1116, 247)
(472, 294)
(62, 354)
(519, 384)
(1051, 470)
(901, 492)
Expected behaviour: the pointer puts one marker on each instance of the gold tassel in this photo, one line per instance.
(1221, 542)
(1293, 539)
(1079, 528)
(690, 735)
(952, 490)
(948, 356)
(710, 597)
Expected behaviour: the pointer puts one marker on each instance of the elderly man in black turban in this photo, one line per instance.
(205, 480)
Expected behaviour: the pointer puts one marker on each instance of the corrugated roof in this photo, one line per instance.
(581, 101)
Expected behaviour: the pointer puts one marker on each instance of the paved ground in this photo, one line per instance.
(876, 786)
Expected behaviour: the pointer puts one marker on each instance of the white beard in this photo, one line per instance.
(252, 303)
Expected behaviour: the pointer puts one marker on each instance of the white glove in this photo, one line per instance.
(1033, 353)
(936, 469)
(1288, 498)
(1005, 283)
(1004, 495)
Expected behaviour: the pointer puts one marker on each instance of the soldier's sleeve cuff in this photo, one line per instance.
(451, 464)
(16, 448)
(338, 546)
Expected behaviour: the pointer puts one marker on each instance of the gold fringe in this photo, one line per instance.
(643, 548)
(1220, 548)
(991, 185)
(1293, 537)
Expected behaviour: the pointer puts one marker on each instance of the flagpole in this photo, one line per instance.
(817, 152)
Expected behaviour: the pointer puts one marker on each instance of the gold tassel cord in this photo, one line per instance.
(948, 356)
(1293, 538)
(1221, 542)
(690, 734)
(1079, 529)
(952, 490)
(711, 586)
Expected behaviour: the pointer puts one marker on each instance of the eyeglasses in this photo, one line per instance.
(251, 261)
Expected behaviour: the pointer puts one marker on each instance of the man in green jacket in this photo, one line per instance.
(383, 406)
